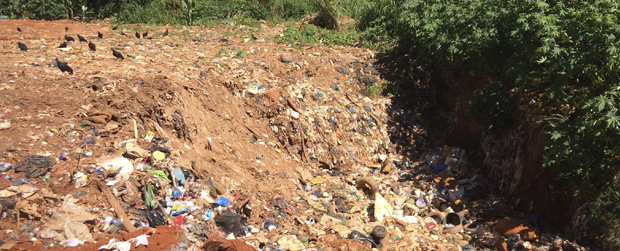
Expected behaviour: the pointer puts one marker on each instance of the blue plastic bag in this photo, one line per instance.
(179, 177)
(222, 201)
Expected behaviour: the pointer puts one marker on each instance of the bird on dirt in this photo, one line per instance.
(63, 66)
(117, 54)
(92, 46)
(146, 33)
(66, 29)
(138, 35)
(63, 45)
(115, 27)
(22, 47)
(99, 35)
(165, 33)
(18, 29)
(123, 33)
(69, 39)
(82, 39)
(254, 37)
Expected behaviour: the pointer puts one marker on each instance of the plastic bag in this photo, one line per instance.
(70, 227)
(118, 164)
(179, 177)
(382, 208)
(362, 237)
(35, 166)
(155, 218)
(229, 222)
(222, 201)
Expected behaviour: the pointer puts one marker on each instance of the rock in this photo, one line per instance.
(220, 244)
(5, 125)
(501, 245)
(295, 114)
(367, 80)
(342, 70)
(286, 60)
(508, 226)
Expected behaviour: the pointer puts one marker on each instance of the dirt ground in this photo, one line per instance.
(158, 76)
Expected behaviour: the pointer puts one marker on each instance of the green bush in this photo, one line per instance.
(309, 34)
(158, 12)
(494, 107)
(568, 51)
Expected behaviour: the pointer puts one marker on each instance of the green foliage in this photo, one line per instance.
(159, 12)
(240, 53)
(568, 51)
(222, 53)
(310, 34)
(37, 9)
(604, 217)
(494, 107)
(290, 9)
(374, 90)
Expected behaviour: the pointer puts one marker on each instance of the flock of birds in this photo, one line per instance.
(64, 67)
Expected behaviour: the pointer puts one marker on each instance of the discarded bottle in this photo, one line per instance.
(5, 166)
(31, 235)
(20, 181)
(47, 177)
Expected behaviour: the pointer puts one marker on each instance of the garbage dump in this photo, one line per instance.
(281, 149)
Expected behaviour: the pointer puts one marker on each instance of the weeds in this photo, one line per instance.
(374, 91)
(222, 53)
(240, 53)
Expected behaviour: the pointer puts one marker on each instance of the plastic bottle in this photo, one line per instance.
(5, 166)
(47, 177)
(20, 181)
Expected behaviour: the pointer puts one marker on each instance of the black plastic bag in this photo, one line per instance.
(155, 218)
(358, 235)
(35, 166)
(229, 222)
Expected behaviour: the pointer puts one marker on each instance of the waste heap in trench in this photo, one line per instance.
(353, 189)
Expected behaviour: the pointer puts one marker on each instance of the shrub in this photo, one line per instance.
(567, 51)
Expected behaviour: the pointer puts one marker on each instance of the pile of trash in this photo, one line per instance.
(123, 166)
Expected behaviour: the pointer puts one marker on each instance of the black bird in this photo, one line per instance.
(115, 27)
(146, 33)
(82, 39)
(66, 29)
(99, 35)
(123, 33)
(92, 46)
(254, 37)
(18, 29)
(117, 54)
(69, 39)
(63, 45)
(63, 66)
(165, 33)
(22, 47)
(138, 35)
